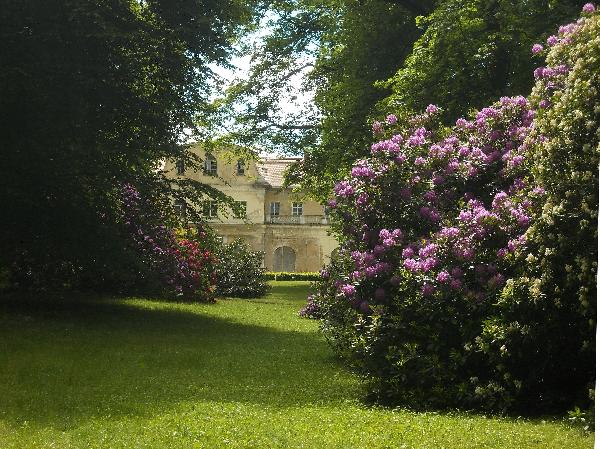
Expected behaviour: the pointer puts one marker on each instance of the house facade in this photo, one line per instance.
(291, 230)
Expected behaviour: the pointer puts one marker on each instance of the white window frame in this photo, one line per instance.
(210, 165)
(297, 209)
(274, 208)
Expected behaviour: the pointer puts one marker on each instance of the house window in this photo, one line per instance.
(180, 207)
(210, 209)
(240, 211)
(275, 208)
(296, 209)
(241, 167)
(210, 165)
(180, 166)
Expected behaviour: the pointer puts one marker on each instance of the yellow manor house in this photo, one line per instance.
(291, 231)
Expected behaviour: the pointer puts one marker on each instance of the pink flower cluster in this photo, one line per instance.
(464, 204)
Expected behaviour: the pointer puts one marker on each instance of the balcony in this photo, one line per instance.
(318, 220)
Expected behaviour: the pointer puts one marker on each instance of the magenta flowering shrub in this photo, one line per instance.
(174, 264)
(441, 209)
(312, 309)
(431, 224)
(438, 225)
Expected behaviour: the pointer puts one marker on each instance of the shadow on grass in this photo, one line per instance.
(66, 362)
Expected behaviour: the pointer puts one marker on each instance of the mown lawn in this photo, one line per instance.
(137, 373)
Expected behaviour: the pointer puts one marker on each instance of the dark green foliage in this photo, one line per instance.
(239, 271)
(94, 95)
(368, 43)
(473, 52)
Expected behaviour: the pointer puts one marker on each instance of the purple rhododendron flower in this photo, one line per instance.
(377, 128)
(461, 123)
(379, 250)
(430, 195)
(443, 276)
(408, 252)
(502, 253)
(537, 48)
(371, 272)
(391, 119)
(411, 265)
(389, 242)
(449, 232)
(400, 158)
(418, 137)
(453, 166)
(428, 250)
(362, 199)
(432, 109)
(348, 290)
(343, 189)
(589, 7)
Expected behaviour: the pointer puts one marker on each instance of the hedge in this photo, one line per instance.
(289, 276)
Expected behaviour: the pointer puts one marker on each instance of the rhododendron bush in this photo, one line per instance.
(174, 263)
(467, 270)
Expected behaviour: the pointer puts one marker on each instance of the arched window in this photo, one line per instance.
(210, 165)
(284, 259)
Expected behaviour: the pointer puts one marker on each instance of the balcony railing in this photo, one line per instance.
(297, 219)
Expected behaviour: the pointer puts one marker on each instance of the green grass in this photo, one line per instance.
(135, 373)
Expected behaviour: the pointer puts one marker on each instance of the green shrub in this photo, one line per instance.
(486, 296)
(239, 271)
(290, 276)
(542, 338)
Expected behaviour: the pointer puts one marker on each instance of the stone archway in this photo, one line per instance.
(284, 259)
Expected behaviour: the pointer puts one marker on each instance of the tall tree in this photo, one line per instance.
(338, 49)
(472, 52)
(94, 95)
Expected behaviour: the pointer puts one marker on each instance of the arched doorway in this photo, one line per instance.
(284, 259)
